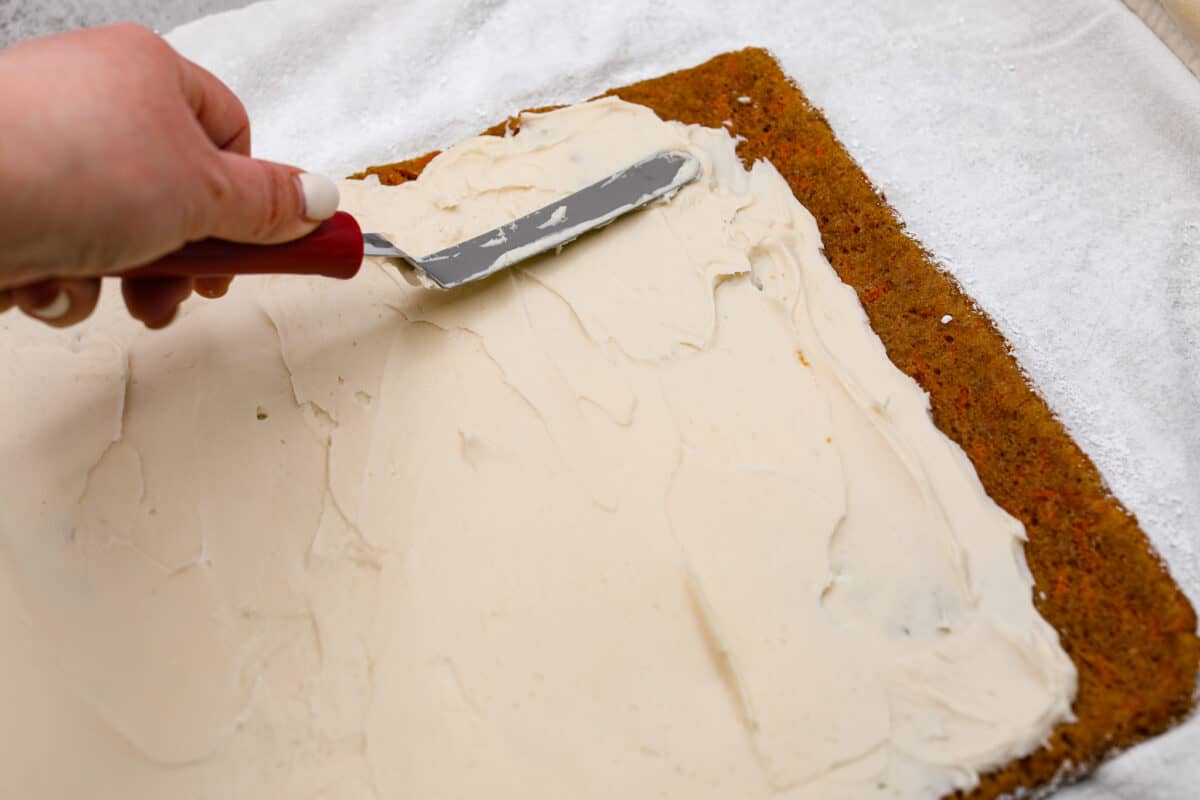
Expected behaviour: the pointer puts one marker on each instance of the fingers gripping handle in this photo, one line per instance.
(334, 249)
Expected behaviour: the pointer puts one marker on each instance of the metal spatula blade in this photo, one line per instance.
(550, 226)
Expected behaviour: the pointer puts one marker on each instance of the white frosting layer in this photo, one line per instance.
(654, 517)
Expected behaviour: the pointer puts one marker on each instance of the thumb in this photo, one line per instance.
(261, 202)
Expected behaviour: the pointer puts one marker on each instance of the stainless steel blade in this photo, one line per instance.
(551, 226)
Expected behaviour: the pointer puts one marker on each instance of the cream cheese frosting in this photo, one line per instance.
(652, 517)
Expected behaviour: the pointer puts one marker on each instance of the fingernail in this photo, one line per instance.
(58, 306)
(320, 196)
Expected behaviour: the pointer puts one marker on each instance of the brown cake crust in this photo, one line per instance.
(1125, 624)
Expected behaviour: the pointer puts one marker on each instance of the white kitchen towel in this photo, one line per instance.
(1047, 153)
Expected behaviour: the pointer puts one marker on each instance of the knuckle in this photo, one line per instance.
(136, 34)
(215, 193)
(136, 31)
(277, 206)
(144, 43)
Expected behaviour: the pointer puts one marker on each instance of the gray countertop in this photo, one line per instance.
(21, 19)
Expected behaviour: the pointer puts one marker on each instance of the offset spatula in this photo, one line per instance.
(336, 248)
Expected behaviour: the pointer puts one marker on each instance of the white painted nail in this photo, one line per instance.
(320, 196)
(57, 308)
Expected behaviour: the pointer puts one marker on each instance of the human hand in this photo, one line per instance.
(114, 151)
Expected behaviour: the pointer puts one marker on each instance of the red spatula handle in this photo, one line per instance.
(334, 249)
